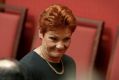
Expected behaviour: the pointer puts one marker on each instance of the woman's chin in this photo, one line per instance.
(58, 55)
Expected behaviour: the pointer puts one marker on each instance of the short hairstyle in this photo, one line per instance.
(10, 70)
(56, 16)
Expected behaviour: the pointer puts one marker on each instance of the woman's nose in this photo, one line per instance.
(60, 45)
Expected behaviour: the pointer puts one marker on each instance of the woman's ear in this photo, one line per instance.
(40, 34)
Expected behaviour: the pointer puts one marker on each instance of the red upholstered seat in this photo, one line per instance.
(8, 30)
(113, 68)
(11, 23)
(81, 47)
(84, 45)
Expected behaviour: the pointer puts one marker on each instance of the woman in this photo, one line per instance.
(48, 61)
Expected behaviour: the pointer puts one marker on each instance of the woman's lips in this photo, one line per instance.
(61, 51)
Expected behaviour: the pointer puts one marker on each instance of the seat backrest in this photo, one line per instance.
(84, 43)
(11, 22)
(113, 67)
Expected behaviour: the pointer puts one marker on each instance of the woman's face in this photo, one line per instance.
(56, 42)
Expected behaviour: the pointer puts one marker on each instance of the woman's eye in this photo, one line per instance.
(53, 38)
(66, 39)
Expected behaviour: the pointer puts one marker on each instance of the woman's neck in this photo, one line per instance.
(44, 54)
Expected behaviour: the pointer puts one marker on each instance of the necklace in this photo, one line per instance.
(55, 69)
(43, 56)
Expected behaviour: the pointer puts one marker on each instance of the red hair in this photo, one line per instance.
(56, 16)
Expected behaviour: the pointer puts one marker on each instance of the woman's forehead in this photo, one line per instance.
(60, 32)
